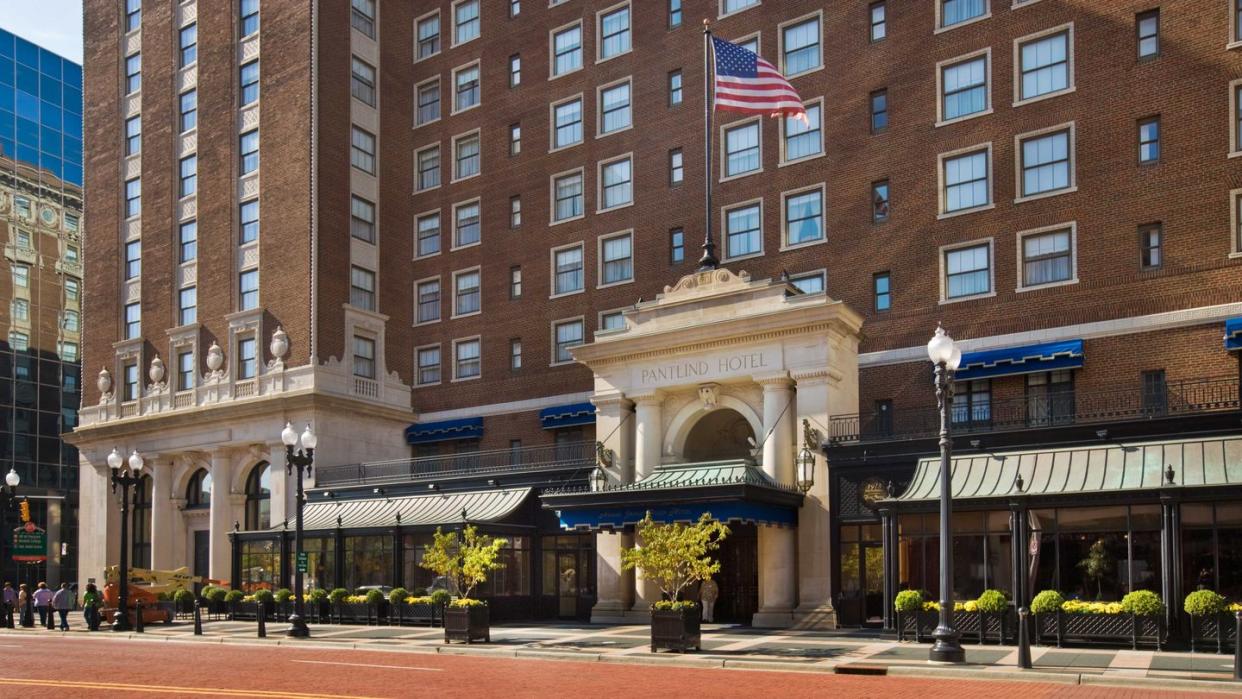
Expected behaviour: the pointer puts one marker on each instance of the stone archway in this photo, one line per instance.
(722, 434)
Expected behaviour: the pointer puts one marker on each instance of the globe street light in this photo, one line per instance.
(947, 357)
(125, 479)
(302, 459)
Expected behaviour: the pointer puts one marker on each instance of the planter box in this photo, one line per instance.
(467, 624)
(676, 629)
(356, 613)
(414, 614)
(1118, 629)
(1219, 630)
(976, 626)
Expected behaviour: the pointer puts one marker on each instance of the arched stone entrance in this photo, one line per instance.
(719, 435)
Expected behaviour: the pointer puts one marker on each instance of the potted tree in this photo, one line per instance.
(396, 605)
(283, 597)
(1208, 620)
(337, 598)
(184, 599)
(465, 561)
(316, 599)
(233, 598)
(675, 556)
(264, 603)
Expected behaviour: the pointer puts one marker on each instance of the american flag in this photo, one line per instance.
(747, 83)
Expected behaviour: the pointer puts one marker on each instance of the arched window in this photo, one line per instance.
(198, 492)
(259, 497)
(140, 527)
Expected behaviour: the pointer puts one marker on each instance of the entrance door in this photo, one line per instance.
(873, 584)
(861, 600)
(202, 552)
(567, 585)
(738, 579)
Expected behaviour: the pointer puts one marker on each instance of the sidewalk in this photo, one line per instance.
(738, 647)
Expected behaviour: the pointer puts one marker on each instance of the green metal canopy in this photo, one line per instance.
(418, 510)
(1083, 470)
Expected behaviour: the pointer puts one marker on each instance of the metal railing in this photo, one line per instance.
(1052, 409)
(476, 463)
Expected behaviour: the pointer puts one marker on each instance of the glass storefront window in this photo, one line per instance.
(260, 565)
(368, 561)
(320, 562)
(513, 577)
(414, 577)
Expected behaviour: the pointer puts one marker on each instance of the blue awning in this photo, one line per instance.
(1233, 334)
(725, 511)
(1027, 359)
(464, 428)
(567, 415)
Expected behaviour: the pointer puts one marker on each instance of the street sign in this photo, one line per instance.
(302, 559)
(29, 543)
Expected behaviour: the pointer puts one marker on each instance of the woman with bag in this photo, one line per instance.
(90, 606)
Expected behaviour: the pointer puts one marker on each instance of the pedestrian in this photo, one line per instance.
(90, 606)
(708, 593)
(62, 602)
(9, 605)
(43, 603)
(24, 602)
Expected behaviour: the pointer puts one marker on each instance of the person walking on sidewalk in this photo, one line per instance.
(24, 603)
(9, 605)
(62, 602)
(90, 606)
(43, 602)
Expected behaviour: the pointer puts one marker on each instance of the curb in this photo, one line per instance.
(984, 674)
(1219, 686)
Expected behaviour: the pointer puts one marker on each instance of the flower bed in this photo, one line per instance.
(467, 620)
(1213, 621)
(415, 611)
(989, 617)
(1138, 620)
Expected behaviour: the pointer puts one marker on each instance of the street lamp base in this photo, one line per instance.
(120, 622)
(297, 627)
(948, 651)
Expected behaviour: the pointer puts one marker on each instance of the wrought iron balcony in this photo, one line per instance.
(1053, 409)
(570, 455)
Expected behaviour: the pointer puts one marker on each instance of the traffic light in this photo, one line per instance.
(25, 508)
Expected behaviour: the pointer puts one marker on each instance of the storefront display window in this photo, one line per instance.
(368, 561)
(260, 565)
(1212, 548)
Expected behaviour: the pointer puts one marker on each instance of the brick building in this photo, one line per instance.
(434, 203)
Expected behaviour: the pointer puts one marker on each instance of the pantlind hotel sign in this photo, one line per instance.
(710, 367)
(29, 543)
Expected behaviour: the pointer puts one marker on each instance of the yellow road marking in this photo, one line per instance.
(165, 689)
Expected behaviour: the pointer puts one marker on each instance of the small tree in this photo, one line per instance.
(677, 555)
(464, 560)
(1097, 565)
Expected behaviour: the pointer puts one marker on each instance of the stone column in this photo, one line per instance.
(161, 513)
(778, 428)
(814, 526)
(183, 548)
(615, 427)
(778, 561)
(221, 557)
(99, 519)
(284, 487)
(648, 435)
(55, 517)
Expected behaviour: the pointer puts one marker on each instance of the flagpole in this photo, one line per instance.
(708, 262)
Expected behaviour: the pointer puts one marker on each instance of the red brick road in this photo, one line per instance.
(57, 667)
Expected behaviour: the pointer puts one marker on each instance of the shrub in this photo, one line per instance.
(183, 597)
(1204, 603)
(418, 600)
(908, 601)
(283, 595)
(373, 597)
(264, 597)
(317, 595)
(205, 593)
(440, 597)
(338, 595)
(234, 596)
(1142, 603)
(218, 595)
(466, 602)
(1076, 606)
(673, 605)
(992, 602)
(1047, 602)
(1235, 607)
(398, 595)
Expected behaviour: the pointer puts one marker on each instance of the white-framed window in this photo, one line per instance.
(568, 198)
(188, 110)
(728, 7)
(466, 22)
(362, 81)
(567, 122)
(187, 185)
(611, 320)
(427, 35)
(428, 108)
(362, 150)
(133, 259)
(676, 167)
(248, 217)
(133, 135)
(133, 197)
(427, 233)
(801, 45)
(248, 76)
(966, 180)
(248, 15)
(467, 293)
(515, 282)
(877, 16)
(1149, 140)
(743, 150)
(616, 183)
(1044, 64)
(133, 320)
(68, 351)
(72, 319)
(21, 276)
(427, 301)
(1151, 245)
(810, 282)
(879, 201)
(364, 357)
(613, 25)
(185, 370)
(133, 15)
(133, 73)
(515, 211)
(73, 290)
(187, 241)
(750, 42)
(951, 13)
(248, 145)
(20, 342)
(428, 165)
(967, 270)
(248, 290)
(428, 359)
(1235, 220)
(466, 359)
(362, 16)
(515, 353)
(466, 91)
(1235, 118)
(567, 270)
(467, 228)
(801, 141)
(674, 14)
(565, 46)
(616, 259)
(615, 113)
(187, 305)
(361, 288)
(743, 227)
(130, 385)
(1147, 30)
(515, 70)
(361, 218)
(965, 86)
(466, 156)
(566, 334)
(1045, 162)
(675, 92)
(803, 217)
(20, 310)
(1047, 256)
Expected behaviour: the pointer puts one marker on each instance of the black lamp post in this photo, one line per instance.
(9, 490)
(947, 357)
(297, 462)
(125, 479)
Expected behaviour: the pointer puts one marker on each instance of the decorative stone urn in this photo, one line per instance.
(215, 359)
(104, 384)
(156, 372)
(279, 347)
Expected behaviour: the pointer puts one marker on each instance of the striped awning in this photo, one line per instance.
(418, 510)
(1026, 359)
(1233, 334)
(463, 428)
(567, 415)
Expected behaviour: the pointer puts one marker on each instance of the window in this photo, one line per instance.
(189, 176)
(1147, 25)
(249, 147)
(429, 36)
(879, 21)
(133, 259)
(728, 7)
(21, 276)
(676, 246)
(428, 168)
(515, 282)
(23, 239)
(362, 81)
(198, 492)
(361, 219)
(957, 11)
(189, 44)
(362, 150)
(189, 110)
(674, 14)
(71, 254)
(428, 300)
(428, 231)
(68, 351)
(743, 234)
(968, 271)
(428, 366)
(133, 73)
(1149, 140)
(1236, 98)
(616, 184)
(567, 119)
(515, 354)
(674, 88)
(428, 102)
(362, 288)
(800, 51)
(676, 168)
(250, 82)
(466, 224)
(804, 217)
(133, 321)
(1044, 63)
(72, 290)
(882, 292)
(966, 181)
(249, 11)
(614, 32)
(515, 8)
(750, 44)
(466, 88)
(133, 15)
(249, 217)
(466, 293)
(515, 70)
(1050, 398)
(566, 49)
(879, 111)
(972, 403)
(964, 88)
(567, 270)
(185, 371)
(247, 363)
(466, 360)
(742, 149)
(567, 197)
(466, 156)
(812, 283)
(612, 320)
(614, 108)
(515, 139)
(130, 382)
(362, 16)
(568, 334)
(20, 342)
(879, 201)
(248, 290)
(515, 211)
(1155, 391)
(616, 259)
(133, 135)
(1047, 163)
(1047, 258)
(465, 21)
(803, 140)
(20, 309)
(188, 242)
(1151, 245)
(187, 305)
(364, 357)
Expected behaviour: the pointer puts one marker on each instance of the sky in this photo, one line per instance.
(56, 25)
